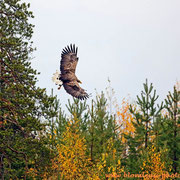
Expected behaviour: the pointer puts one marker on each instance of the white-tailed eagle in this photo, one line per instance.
(67, 77)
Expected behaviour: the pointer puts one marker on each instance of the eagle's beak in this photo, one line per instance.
(79, 81)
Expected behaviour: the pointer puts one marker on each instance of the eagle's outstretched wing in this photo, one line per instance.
(69, 59)
(68, 65)
(75, 90)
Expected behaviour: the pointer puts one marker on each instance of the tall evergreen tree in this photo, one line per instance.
(173, 129)
(101, 127)
(145, 115)
(23, 105)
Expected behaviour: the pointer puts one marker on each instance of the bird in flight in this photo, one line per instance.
(67, 77)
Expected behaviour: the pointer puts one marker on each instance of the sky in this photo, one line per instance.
(126, 41)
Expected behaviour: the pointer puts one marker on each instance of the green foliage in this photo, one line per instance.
(146, 114)
(23, 106)
(33, 126)
(101, 127)
(79, 109)
(96, 124)
(172, 129)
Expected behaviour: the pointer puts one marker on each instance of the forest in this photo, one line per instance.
(103, 139)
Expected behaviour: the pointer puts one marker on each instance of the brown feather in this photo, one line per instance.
(68, 65)
(75, 90)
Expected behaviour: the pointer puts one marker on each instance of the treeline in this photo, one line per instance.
(139, 138)
(99, 140)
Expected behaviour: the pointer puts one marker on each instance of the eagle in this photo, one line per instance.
(67, 77)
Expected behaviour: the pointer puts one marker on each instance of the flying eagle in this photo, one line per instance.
(67, 77)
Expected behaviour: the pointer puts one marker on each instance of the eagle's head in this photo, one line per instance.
(56, 79)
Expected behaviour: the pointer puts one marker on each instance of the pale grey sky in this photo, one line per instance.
(125, 40)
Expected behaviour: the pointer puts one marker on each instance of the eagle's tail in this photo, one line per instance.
(56, 79)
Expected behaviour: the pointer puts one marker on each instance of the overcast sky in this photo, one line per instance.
(125, 40)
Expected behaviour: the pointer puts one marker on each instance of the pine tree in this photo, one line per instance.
(101, 127)
(23, 150)
(145, 115)
(173, 129)
(57, 122)
(79, 108)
